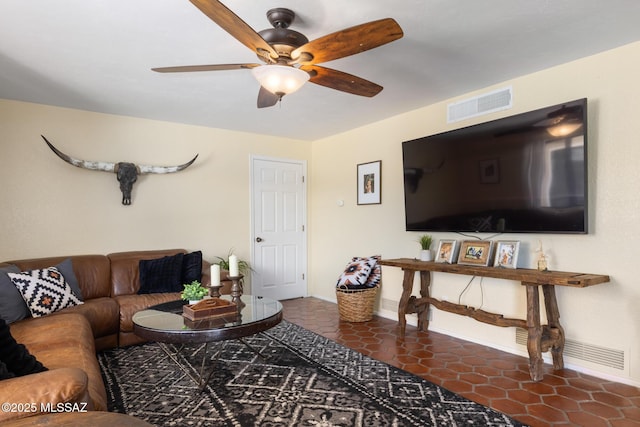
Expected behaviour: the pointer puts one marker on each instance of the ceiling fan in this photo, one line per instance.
(563, 121)
(289, 58)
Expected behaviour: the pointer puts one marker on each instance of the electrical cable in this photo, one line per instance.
(466, 288)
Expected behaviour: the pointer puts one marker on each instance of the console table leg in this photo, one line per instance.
(534, 340)
(553, 319)
(407, 287)
(423, 313)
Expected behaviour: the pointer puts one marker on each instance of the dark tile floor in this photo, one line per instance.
(485, 375)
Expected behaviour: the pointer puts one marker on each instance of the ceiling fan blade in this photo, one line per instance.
(235, 26)
(192, 68)
(266, 98)
(342, 81)
(348, 42)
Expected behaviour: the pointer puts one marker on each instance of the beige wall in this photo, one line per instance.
(51, 207)
(605, 315)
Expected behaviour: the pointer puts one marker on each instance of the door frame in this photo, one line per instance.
(305, 250)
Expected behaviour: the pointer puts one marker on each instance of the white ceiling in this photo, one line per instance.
(96, 55)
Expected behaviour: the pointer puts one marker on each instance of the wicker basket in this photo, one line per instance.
(356, 305)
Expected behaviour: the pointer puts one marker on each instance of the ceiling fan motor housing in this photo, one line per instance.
(280, 37)
(284, 36)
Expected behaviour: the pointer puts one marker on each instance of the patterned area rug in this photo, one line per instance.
(304, 379)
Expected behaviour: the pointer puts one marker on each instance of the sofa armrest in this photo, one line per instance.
(32, 394)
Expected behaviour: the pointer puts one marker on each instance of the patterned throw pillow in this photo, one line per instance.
(44, 291)
(376, 274)
(356, 272)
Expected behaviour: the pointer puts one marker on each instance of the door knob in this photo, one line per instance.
(258, 239)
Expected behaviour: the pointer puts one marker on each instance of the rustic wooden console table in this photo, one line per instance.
(541, 338)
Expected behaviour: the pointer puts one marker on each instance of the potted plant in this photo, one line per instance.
(425, 244)
(243, 266)
(194, 292)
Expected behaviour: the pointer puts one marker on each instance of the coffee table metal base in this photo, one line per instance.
(165, 324)
(201, 379)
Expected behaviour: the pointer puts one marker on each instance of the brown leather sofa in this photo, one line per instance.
(67, 340)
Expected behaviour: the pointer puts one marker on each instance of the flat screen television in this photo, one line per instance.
(525, 173)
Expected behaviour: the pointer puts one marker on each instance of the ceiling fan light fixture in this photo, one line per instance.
(280, 79)
(564, 128)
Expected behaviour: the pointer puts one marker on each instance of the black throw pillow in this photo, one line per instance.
(16, 357)
(192, 267)
(5, 373)
(161, 275)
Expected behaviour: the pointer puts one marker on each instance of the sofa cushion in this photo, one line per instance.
(12, 305)
(103, 315)
(161, 275)
(131, 304)
(44, 290)
(47, 388)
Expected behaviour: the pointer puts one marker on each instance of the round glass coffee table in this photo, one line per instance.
(165, 323)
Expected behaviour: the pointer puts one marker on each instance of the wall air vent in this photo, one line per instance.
(501, 99)
(603, 356)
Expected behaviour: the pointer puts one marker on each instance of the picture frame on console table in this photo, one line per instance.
(507, 254)
(475, 252)
(447, 252)
(369, 183)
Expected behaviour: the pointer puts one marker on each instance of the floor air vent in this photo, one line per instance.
(590, 353)
(500, 99)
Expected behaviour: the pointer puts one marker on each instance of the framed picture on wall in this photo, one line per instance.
(447, 251)
(475, 252)
(369, 183)
(507, 254)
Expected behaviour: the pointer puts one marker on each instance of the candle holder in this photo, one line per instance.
(214, 290)
(236, 290)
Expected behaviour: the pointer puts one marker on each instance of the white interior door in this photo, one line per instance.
(279, 237)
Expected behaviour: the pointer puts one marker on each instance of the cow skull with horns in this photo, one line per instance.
(127, 173)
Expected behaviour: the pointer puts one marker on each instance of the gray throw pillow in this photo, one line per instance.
(66, 268)
(12, 305)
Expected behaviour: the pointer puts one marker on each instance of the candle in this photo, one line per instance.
(215, 275)
(233, 266)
